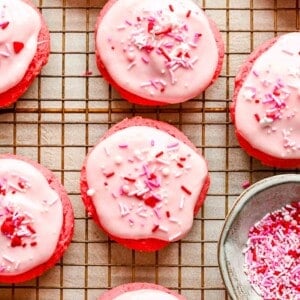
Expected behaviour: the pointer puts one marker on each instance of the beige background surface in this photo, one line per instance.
(65, 112)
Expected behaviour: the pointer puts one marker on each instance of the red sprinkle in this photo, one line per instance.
(164, 53)
(159, 154)
(256, 116)
(18, 46)
(108, 175)
(165, 31)
(129, 179)
(168, 214)
(4, 25)
(188, 14)
(32, 244)
(180, 165)
(186, 190)
(171, 7)
(150, 25)
(155, 228)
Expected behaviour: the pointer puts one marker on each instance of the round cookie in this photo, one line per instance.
(266, 102)
(24, 48)
(36, 219)
(157, 52)
(141, 291)
(143, 183)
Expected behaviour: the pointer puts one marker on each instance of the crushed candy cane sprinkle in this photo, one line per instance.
(272, 254)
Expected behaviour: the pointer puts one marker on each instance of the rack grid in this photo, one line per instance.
(65, 112)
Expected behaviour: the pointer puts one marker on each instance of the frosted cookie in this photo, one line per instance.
(24, 48)
(140, 291)
(143, 183)
(157, 52)
(266, 102)
(36, 219)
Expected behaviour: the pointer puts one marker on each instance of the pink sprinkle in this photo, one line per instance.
(246, 184)
(145, 59)
(87, 73)
(173, 145)
(123, 145)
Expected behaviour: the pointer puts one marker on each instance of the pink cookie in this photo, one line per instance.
(143, 183)
(266, 102)
(157, 52)
(36, 219)
(24, 48)
(140, 291)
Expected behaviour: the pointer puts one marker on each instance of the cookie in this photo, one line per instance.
(266, 102)
(24, 48)
(36, 219)
(143, 183)
(157, 52)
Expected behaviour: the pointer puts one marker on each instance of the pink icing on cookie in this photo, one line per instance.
(31, 217)
(157, 50)
(144, 183)
(267, 106)
(20, 25)
(145, 294)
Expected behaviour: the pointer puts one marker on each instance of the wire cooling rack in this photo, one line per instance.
(70, 106)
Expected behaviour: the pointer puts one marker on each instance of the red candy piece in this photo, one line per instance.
(7, 227)
(4, 25)
(16, 241)
(18, 46)
(151, 201)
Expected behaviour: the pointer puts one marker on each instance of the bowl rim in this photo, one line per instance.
(239, 203)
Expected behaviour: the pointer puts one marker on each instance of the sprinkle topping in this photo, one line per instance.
(272, 254)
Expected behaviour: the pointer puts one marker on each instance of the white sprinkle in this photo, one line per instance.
(166, 171)
(121, 27)
(164, 229)
(17, 264)
(91, 192)
(162, 161)
(174, 220)
(174, 236)
(53, 201)
(7, 258)
(118, 159)
(106, 151)
(130, 66)
(124, 210)
(181, 203)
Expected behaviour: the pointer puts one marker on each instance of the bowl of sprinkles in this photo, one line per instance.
(259, 247)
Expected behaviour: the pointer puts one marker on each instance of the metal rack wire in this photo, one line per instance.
(67, 110)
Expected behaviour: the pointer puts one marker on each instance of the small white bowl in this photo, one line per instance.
(251, 206)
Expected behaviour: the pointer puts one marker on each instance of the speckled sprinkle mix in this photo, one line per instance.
(272, 254)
